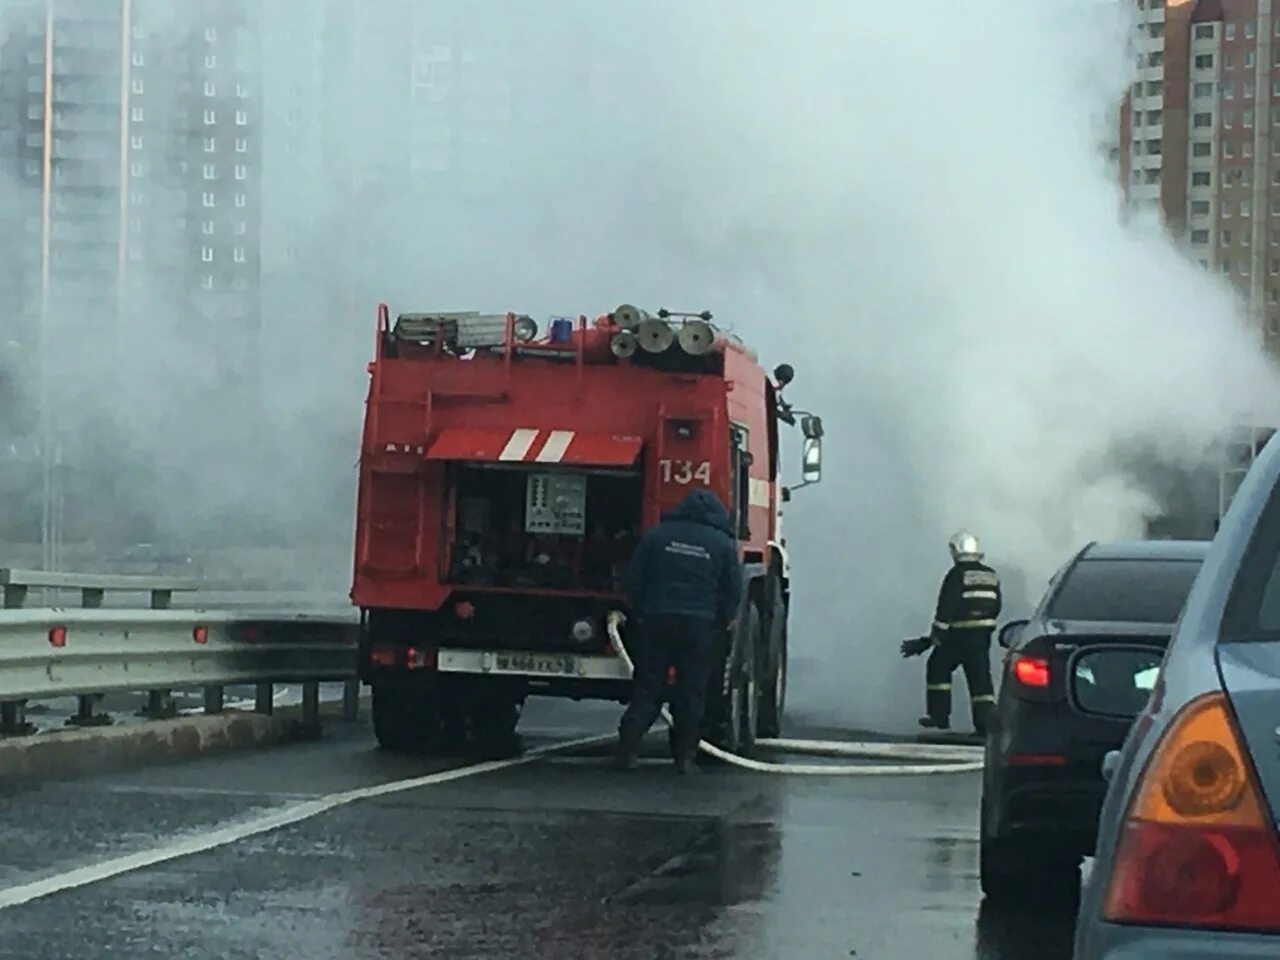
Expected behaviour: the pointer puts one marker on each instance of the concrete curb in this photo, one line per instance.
(101, 749)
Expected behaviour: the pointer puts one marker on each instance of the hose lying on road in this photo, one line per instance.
(942, 758)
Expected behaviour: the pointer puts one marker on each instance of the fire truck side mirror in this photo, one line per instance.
(811, 427)
(812, 467)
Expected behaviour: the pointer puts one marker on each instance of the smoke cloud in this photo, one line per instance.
(915, 211)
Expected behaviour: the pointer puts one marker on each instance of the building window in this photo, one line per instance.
(135, 169)
(135, 141)
(210, 200)
(1231, 31)
(241, 117)
(1244, 267)
(241, 200)
(206, 254)
(1203, 148)
(1246, 148)
(1248, 118)
(1244, 238)
(35, 111)
(1228, 149)
(1249, 29)
(1228, 91)
(1201, 178)
(1226, 266)
(242, 91)
(1153, 147)
(1249, 58)
(138, 59)
(1228, 119)
(1248, 91)
(137, 114)
(1153, 88)
(1152, 176)
(1226, 238)
(33, 168)
(238, 254)
(1199, 208)
(207, 281)
(1155, 58)
(210, 88)
(241, 228)
(206, 227)
(239, 284)
(242, 145)
(242, 172)
(1204, 61)
(1246, 208)
(1204, 31)
(1203, 90)
(1154, 117)
(1273, 295)
(210, 118)
(137, 85)
(1203, 120)
(1199, 236)
(210, 145)
(210, 172)
(211, 34)
(1275, 267)
(211, 61)
(137, 198)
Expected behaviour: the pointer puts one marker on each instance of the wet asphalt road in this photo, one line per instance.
(556, 858)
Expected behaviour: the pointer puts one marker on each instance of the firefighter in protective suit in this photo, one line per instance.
(968, 605)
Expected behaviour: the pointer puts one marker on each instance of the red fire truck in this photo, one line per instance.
(505, 477)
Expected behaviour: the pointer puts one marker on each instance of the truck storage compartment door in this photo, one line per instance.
(532, 445)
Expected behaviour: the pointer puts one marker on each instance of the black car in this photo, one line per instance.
(1075, 675)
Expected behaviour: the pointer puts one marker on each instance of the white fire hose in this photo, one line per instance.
(939, 758)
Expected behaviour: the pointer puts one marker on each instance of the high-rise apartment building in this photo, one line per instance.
(1201, 129)
(130, 151)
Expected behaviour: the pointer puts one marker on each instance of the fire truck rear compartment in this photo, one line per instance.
(532, 528)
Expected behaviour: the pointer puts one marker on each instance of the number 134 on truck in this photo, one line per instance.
(506, 474)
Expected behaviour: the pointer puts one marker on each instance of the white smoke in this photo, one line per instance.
(912, 207)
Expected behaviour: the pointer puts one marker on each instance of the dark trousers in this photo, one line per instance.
(666, 641)
(966, 649)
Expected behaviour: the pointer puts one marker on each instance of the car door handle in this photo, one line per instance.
(1109, 764)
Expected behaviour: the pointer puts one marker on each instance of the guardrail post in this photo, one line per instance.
(91, 597)
(13, 719)
(89, 712)
(263, 699)
(161, 599)
(351, 700)
(213, 699)
(15, 596)
(160, 706)
(311, 706)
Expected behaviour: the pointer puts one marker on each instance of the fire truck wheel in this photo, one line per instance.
(406, 716)
(773, 684)
(735, 715)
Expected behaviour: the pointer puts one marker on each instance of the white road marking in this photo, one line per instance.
(553, 450)
(232, 832)
(519, 444)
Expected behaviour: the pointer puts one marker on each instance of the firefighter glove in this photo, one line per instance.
(915, 646)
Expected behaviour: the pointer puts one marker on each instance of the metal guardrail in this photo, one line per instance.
(49, 653)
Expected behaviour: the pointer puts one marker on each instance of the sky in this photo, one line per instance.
(916, 214)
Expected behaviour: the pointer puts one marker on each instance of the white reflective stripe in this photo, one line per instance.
(941, 626)
(938, 686)
(984, 698)
(519, 444)
(553, 450)
(967, 624)
(980, 595)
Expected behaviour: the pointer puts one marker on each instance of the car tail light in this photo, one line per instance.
(418, 659)
(383, 656)
(1031, 671)
(1198, 848)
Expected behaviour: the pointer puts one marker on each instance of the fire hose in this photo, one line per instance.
(928, 758)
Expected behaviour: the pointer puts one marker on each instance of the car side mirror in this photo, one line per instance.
(811, 427)
(1008, 634)
(812, 467)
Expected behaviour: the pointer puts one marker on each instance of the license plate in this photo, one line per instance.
(539, 663)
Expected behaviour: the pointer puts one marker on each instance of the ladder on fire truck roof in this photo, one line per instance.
(1239, 450)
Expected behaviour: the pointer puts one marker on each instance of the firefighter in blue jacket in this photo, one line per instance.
(968, 604)
(683, 582)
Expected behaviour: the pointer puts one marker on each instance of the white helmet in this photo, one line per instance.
(964, 547)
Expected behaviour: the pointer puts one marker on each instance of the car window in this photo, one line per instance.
(1115, 682)
(1124, 591)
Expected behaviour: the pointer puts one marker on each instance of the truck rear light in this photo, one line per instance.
(57, 636)
(200, 634)
(383, 656)
(1198, 848)
(418, 659)
(1031, 671)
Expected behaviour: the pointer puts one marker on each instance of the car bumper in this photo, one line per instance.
(1060, 810)
(1109, 941)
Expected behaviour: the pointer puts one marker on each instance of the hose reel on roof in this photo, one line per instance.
(641, 330)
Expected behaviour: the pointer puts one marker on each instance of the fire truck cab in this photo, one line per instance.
(506, 474)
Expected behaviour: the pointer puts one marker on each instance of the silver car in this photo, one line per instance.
(1188, 858)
